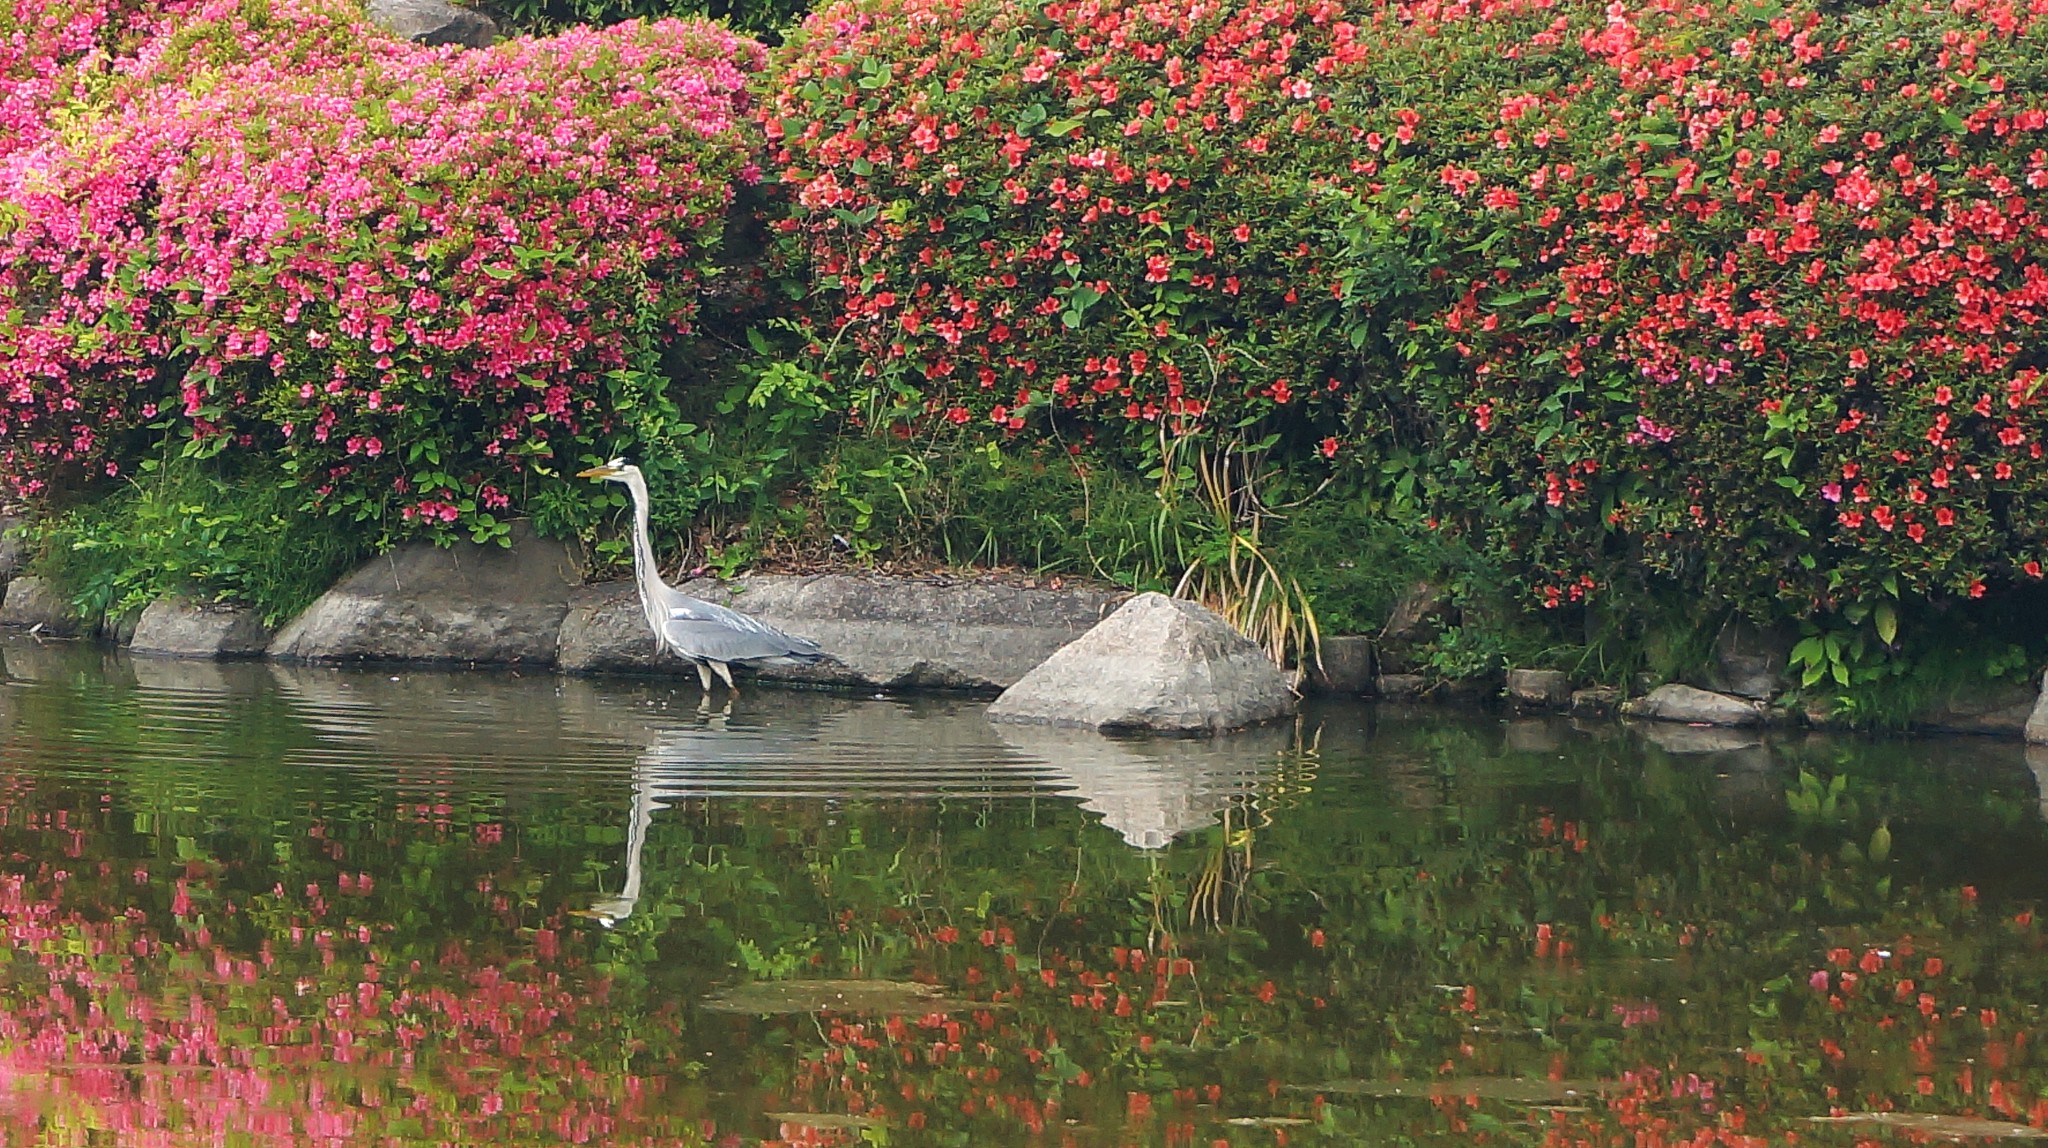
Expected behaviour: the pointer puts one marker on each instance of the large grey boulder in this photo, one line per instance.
(1158, 664)
(1687, 704)
(434, 22)
(182, 628)
(32, 601)
(420, 602)
(880, 633)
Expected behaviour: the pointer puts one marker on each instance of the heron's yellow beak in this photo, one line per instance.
(604, 471)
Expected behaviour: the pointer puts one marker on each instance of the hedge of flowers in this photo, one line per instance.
(1086, 209)
(1740, 299)
(419, 274)
(1745, 296)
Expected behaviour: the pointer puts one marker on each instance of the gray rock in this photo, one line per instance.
(32, 601)
(1687, 704)
(181, 628)
(1420, 613)
(434, 22)
(2036, 731)
(120, 628)
(1400, 685)
(1542, 688)
(467, 603)
(881, 633)
(1994, 710)
(1347, 666)
(1158, 664)
(1750, 661)
(1596, 701)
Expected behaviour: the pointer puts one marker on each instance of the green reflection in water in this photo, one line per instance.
(248, 904)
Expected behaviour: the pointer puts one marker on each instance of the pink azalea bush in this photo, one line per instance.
(422, 276)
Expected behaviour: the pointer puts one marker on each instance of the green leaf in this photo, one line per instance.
(1887, 623)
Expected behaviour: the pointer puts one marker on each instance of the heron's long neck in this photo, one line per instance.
(644, 806)
(643, 545)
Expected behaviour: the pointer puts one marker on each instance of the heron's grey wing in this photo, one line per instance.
(717, 642)
(707, 630)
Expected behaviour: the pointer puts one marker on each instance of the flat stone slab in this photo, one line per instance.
(1595, 701)
(1992, 710)
(32, 601)
(1158, 664)
(422, 603)
(1547, 689)
(180, 628)
(880, 633)
(1400, 685)
(1689, 704)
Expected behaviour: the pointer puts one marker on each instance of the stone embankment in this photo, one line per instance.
(1157, 664)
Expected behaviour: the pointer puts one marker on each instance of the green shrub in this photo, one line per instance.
(764, 18)
(202, 530)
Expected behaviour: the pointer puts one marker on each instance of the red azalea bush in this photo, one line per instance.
(1096, 210)
(1754, 296)
(421, 274)
(1744, 299)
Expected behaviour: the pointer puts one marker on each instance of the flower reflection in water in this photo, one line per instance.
(299, 906)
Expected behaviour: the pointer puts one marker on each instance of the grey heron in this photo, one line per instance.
(710, 636)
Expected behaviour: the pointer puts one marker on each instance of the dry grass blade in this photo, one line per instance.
(1243, 584)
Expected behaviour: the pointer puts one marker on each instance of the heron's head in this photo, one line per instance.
(614, 471)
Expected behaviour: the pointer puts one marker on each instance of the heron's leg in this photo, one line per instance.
(725, 674)
(704, 676)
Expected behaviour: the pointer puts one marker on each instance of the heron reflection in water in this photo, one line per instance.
(711, 637)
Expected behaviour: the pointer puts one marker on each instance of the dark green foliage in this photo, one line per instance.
(213, 530)
(762, 18)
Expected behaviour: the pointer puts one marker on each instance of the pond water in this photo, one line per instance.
(249, 904)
